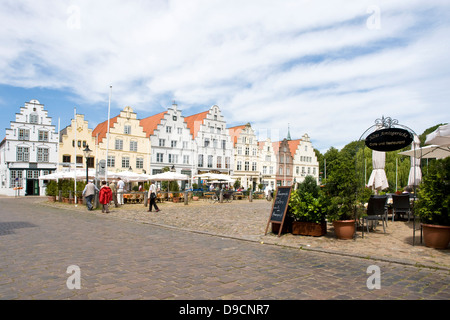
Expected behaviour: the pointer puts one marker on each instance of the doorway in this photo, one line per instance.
(32, 187)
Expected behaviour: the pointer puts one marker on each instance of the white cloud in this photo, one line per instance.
(313, 64)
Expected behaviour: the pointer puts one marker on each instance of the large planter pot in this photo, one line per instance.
(287, 226)
(52, 198)
(176, 199)
(195, 198)
(344, 229)
(309, 228)
(436, 236)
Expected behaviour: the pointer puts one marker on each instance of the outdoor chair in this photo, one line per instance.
(376, 209)
(401, 205)
(132, 199)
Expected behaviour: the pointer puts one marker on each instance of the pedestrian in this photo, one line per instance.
(120, 187)
(152, 196)
(89, 193)
(105, 196)
(113, 188)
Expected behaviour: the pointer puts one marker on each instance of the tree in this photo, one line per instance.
(309, 185)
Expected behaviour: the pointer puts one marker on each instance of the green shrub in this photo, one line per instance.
(303, 206)
(52, 188)
(434, 194)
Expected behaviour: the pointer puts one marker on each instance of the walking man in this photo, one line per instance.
(113, 188)
(120, 187)
(152, 197)
(89, 193)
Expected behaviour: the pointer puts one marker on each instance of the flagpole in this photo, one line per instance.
(107, 134)
(75, 157)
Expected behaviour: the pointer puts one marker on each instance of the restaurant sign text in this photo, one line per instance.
(390, 139)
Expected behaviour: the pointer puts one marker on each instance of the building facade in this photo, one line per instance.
(128, 147)
(212, 142)
(73, 140)
(28, 151)
(171, 142)
(304, 160)
(284, 176)
(247, 165)
(268, 163)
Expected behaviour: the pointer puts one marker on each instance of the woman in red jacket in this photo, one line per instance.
(105, 196)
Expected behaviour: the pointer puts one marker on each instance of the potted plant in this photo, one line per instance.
(51, 190)
(340, 213)
(340, 193)
(195, 195)
(433, 206)
(173, 185)
(308, 214)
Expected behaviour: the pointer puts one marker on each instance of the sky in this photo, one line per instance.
(325, 68)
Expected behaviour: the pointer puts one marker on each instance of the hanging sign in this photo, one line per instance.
(390, 139)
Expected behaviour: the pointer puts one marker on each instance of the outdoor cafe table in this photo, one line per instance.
(138, 197)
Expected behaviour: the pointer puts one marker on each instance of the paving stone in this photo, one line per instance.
(129, 254)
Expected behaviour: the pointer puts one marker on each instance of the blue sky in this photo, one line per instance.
(326, 68)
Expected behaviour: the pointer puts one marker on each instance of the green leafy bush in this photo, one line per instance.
(340, 189)
(434, 194)
(303, 206)
(52, 188)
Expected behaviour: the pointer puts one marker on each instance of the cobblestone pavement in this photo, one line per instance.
(133, 254)
(248, 220)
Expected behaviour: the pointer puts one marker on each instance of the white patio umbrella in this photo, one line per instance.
(215, 176)
(51, 176)
(169, 176)
(428, 152)
(378, 179)
(440, 136)
(415, 173)
(128, 176)
(79, 173)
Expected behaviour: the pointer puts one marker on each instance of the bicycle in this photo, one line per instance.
(214, 198)
(228, 197)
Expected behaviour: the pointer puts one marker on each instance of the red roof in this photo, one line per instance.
(235, 133)
(149, 124)
(193, 122)
(101, 129)
(293, 145)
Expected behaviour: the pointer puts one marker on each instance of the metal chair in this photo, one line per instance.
(401, 205)
(376, 209)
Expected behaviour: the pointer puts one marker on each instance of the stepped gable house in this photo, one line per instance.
(212, 142)
(28, 151)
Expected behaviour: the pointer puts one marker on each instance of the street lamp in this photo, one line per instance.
(87, 153)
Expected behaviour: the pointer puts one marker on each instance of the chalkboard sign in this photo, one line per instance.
(390, 139)
(279, 207)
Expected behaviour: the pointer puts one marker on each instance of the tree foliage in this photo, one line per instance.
(433, 205)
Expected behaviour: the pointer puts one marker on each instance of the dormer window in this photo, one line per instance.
(34, 118)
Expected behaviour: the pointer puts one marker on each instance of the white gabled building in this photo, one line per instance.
(268, 163)
(212, 142)
(171, 142)
(28, 151)
(304, 160)
(246, 156)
